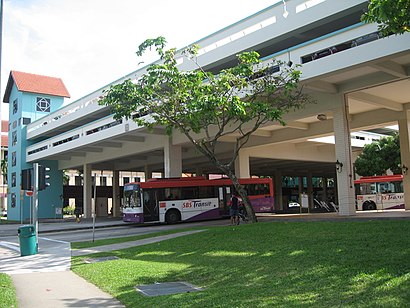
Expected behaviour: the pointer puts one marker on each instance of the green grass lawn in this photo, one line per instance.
(7, 292)
(281, 264)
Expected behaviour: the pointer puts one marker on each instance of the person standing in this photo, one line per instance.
(234, 210)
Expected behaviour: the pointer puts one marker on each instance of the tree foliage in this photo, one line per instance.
(208, 107)
(4, 169)
(392, 16)
(380, 156)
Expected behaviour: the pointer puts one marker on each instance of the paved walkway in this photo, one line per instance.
(45, 280)
(150, 240)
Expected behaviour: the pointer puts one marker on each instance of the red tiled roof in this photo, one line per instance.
(26, 82)
(4, 140)
(4, 126)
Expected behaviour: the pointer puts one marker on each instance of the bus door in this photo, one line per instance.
(151, 207)
(224, 196)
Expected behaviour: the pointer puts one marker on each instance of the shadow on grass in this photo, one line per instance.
(318, 264)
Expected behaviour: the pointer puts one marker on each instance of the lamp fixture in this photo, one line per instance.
(404, 169)
(290, 63)
(285, 11)
(339, 166)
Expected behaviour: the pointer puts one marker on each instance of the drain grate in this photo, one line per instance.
(100, 259)
(166, 288)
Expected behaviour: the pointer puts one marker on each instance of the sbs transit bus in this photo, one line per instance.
(379, 192)
(190, 198)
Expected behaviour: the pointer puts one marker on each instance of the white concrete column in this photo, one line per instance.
(301, 189)
(242, 167)
(404, 127)
(116, 197)
(278, 190)
(172, 159)
(309, 190)
(87, 187)
(345, 183)
(148, 172)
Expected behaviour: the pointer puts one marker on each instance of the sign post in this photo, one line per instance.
(93, 202)
(35, 201)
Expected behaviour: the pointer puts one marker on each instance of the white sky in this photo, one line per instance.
(90, 43)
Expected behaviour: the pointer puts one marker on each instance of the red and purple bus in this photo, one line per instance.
(190, 198)
(379, 192)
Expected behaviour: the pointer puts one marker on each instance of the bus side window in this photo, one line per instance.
(189, 192)
(383, 187)
(397, 186)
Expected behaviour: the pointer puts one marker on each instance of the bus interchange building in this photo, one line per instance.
(359, 79)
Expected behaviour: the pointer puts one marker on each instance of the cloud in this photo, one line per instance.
(90, 43)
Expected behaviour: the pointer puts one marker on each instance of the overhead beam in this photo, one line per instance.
(81, 154)
(92, 149)
(376, 100)
(360, 83)
(297, 125)
(322, 86)
(262, 133)
(110, 144)
(324, 128)
(130, 138)
(307, 144)
(391, 68)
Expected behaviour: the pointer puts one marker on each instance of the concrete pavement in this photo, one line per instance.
(59, 289)
(56, 225)
(45, 280)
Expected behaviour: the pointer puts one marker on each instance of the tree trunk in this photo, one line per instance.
(244, 195)
(235, 181)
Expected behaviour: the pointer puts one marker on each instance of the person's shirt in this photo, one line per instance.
(234, 202)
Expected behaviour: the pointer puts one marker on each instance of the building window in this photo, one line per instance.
(126, 179)
(13, 179)
(13, 200)
(26, 121)
(103, 181)
(15, 106)
(43, 104)
(13, 159)
(14, 138)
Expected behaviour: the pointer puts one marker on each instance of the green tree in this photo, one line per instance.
(208, 107)
(392, 16)
(4, 169)
(66, 177)
(380, 156)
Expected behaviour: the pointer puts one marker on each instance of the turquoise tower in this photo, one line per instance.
(31, 97)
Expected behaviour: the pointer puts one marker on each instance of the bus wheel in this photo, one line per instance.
(172, 216)
(369, 206)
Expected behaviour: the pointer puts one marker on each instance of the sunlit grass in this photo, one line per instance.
(109, 241)
(312, 264)
(7, 292)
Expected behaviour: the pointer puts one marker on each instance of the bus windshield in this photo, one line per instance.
(132, 196)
